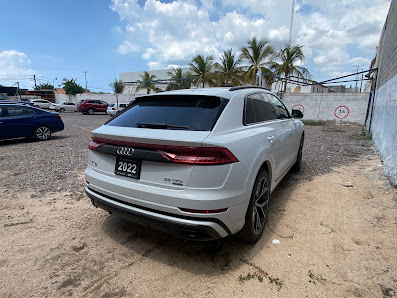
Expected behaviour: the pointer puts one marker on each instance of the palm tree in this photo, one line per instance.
(229, 69)
(180, 79)
(118, 87)
(256, 54)
(287, 67)
(147, 82)
(201, 68)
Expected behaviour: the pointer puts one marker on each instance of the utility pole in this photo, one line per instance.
(18, 91)
(357, 71)
(53, 81)
(292, 22)
(34, 79)
(85, 76)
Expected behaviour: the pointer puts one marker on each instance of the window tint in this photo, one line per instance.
(81, 101)
(279, 107)
(19, 111)
(91, 101)
(191, 112)
(111, 105)
(258, 108)
(123, 105)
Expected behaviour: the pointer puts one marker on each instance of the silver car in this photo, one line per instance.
(64, 106)
(199, 163)
(113, 108)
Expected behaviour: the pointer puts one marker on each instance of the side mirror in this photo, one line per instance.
(297, 114)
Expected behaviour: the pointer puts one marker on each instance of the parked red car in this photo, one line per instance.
(90, 106)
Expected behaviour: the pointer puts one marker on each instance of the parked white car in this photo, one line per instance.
(199, 163)
(64, 106)
(113, 108)
(41, 103)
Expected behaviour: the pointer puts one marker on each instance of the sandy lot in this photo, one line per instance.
(337, 233)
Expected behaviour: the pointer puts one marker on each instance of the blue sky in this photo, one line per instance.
(54, 39)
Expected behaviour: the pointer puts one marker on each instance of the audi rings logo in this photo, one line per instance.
(125, 151)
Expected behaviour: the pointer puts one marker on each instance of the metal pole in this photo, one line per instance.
(85, 76)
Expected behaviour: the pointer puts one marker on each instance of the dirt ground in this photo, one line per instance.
(337, 237)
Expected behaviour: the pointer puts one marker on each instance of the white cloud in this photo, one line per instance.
(149, 53)
(332, 32)
(153, 65)
(15, 65)
(332, 57)
(360, 60)
(127, 47)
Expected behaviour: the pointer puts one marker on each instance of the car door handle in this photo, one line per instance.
(270, 139)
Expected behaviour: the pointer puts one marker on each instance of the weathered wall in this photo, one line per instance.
(348, 107)
(384, 117)
(109, 98)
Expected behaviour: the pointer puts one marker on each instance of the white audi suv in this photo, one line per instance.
(198, 163)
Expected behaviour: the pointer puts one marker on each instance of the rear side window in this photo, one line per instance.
(258, 108)
(19, 111)
(280, 108)
(187, 112)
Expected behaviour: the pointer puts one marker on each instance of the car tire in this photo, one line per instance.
(298, 164)
(90, 111)
(62, 110)
(258, 209)
(42, 133)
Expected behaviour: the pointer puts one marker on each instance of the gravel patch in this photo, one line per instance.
(58, 164)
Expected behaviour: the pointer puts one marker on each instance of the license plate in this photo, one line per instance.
(128, 167)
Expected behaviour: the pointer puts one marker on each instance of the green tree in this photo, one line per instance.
(201, 68)
(180, 79)
(71, 87)
(286, 66)
(44, 86)
(229, 71)
(258, 54)
(117, 86)
(147, 82)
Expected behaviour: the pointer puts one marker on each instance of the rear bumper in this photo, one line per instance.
(183, 227)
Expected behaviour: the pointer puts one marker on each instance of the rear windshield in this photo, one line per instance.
(111, 105)
(187, 112)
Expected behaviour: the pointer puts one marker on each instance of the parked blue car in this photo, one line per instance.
(23, 121)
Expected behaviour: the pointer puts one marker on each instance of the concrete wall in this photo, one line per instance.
(329, 106)
(383, 123)
(109, 98)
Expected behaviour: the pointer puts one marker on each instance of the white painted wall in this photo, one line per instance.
(109, 98)
(329, 106)
(384, 126)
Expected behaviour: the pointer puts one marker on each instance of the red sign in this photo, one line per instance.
(341, 112)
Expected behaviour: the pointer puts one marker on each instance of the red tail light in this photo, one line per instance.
(178, 154)
(58, 116)
(199, 156)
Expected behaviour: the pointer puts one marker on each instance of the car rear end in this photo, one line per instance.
(151, 164)
(81, 106)
(111, 110)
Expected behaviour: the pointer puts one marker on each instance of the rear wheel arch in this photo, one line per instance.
(268, 168)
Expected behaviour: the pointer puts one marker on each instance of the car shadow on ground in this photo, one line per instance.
(211, 257)
(30, 140)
